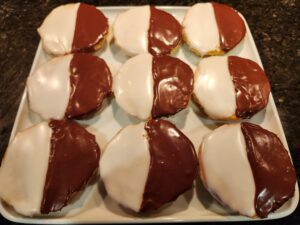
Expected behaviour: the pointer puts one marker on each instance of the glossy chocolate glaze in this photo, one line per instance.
(251, 84)
(90, 28)
(74, 157)
(173, 164)
(91, 82)
(173, 85)
(273, 172)
(164, 33)
(231, 26)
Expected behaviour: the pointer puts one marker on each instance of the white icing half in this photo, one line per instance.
(214, 87)
(133, 86)
(227, 169)
(200, 28)
(24, 168)
(57, 30)
(124, 166)
(49, 88)
(131, 30)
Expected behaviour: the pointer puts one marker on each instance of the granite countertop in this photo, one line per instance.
(274, 25)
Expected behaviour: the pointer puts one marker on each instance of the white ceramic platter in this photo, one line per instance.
(196, 205)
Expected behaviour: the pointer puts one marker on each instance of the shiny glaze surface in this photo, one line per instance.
(200, 29)
(133, 86)
(231, 26)
(173, 85)
(90, 28)
(56, 39)
(91, 82)
(124, 166)
(164, 32)
(273, 172)
(173, 164)
(49, 88)
(131, 28)
(24, 168)
(74, 157)
(225, 169)
(251, 84)
(214, 89)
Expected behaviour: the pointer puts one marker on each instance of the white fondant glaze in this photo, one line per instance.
(49, 88)
(131, 30)
(200, 28)
(24, 168)
(124, 166)
(57, 30)
(227, 170)
(214, 87)
(133, 86)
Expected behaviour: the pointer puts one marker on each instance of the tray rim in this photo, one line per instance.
(229, 218)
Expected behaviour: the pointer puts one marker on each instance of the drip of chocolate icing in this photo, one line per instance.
(173, 85)
(90, 28)
(231, 26)
(164, 33)
(74, 157)
(173, 164)
(91, 82)
(273, 172)
(251, 84)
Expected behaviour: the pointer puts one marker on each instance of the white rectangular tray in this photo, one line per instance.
(196, 205)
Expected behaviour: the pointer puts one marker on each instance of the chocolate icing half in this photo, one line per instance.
(173, 164)
(251, 84)
(273, 172)
(74, 157)
(91, 82)
(164, 33)
(173, 85)
(231, 26)
(90, 28)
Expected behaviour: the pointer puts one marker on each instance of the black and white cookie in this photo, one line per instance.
(71, 28)
(149, 86)
(143, 29)
(230, 87)
(212, 28)
(71, 86)
(147, 165)
(46, 165)
(247, 168)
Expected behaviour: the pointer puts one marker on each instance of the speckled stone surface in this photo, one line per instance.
(274, 25)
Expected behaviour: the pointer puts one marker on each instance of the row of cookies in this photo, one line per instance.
(145, 166)
(208, 29)
(147, 86)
